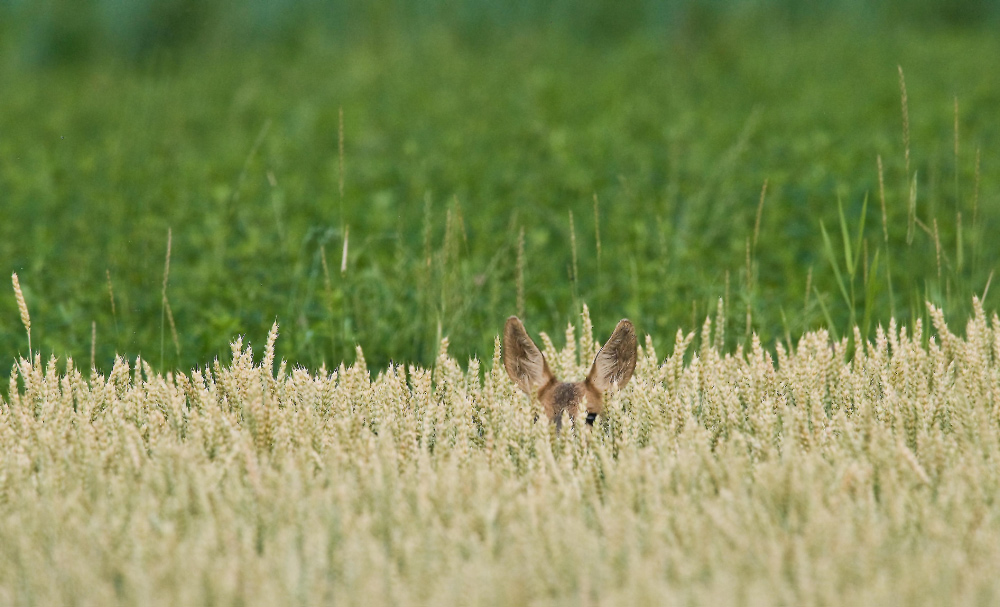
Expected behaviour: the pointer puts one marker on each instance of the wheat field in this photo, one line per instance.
(819, 474)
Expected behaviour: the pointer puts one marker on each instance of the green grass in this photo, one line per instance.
(845, 466)
(451, 146)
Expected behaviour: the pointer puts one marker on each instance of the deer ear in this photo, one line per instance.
(523, 360)
(616, 360)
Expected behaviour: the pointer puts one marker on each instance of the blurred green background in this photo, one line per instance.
(465, 124)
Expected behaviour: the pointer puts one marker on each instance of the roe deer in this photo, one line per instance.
(526, 365)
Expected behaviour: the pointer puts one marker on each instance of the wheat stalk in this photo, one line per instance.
(23, 309)
(280, 487)
(760, 211)
(166, 314)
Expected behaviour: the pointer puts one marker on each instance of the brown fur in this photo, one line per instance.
(526, 365)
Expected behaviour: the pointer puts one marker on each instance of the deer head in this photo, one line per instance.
(526, 365)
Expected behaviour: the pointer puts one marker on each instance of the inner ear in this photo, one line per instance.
(522, 359)
(616, 360)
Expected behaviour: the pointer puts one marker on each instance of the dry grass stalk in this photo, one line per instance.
(343, 256)
(173, 328)
(22, 308)
(111, 296)
(760, 211)
(719, 339)
(783, 474)
(167, 312)
(166, 264)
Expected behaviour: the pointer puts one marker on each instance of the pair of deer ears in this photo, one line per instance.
(526, 365)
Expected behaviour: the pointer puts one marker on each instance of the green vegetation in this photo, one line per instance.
(405, 175)
(452, 146)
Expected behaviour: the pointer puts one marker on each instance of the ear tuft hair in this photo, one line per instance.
(522, 359)
(616, 360)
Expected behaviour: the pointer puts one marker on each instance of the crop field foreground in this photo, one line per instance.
(816, 474)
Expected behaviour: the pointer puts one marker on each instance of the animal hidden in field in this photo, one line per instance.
(526, 365)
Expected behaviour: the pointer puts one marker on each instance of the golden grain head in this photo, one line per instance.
(768, 476)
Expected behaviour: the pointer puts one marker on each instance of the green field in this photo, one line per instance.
(822, 187)
(452, 146)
